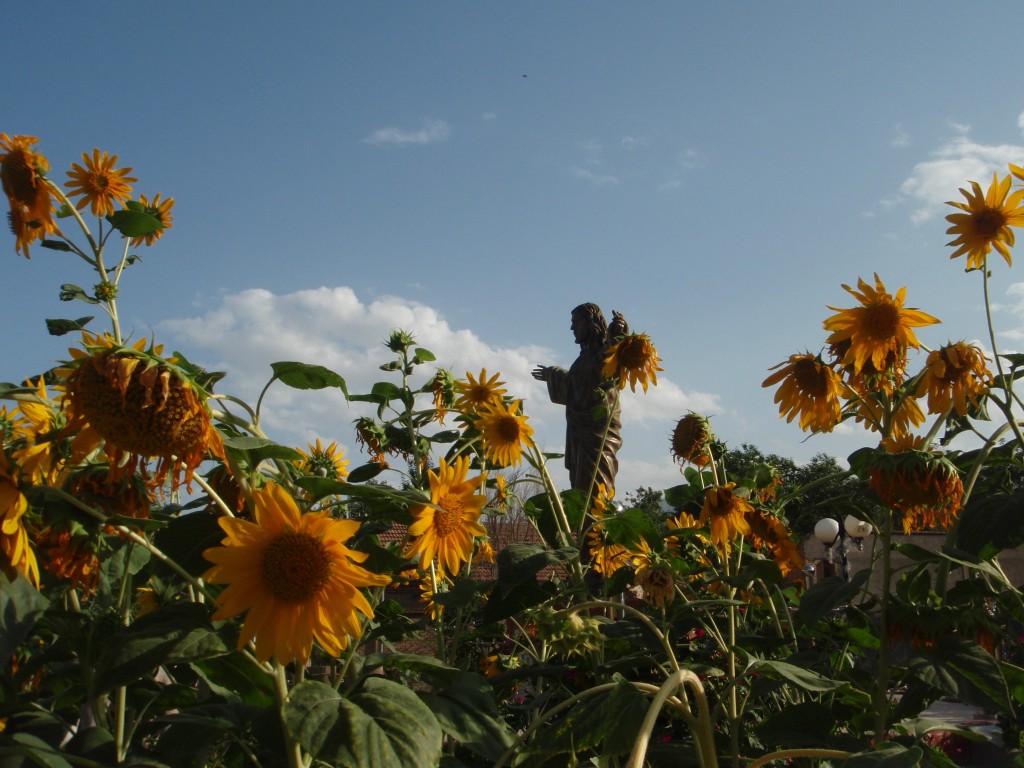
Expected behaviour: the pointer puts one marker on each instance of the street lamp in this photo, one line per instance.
(857, 530)
(828, 532)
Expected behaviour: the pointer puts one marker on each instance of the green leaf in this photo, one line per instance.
(818, 601)
(186, 537)
(990, 523)
(807, 724)
(890, 755)
(466, 711)
(540, 509)
(56, 245)
(134, 223)
(382, 723)
(308, 376)
(62, 327)
(630, 527)
(365, 472)
(421, 355)
(235, 677)
(385, 391)
(521, 562)
(39, 751)
(960, 667)
(800, 676)
(626, 709)
(70, 292)
(261, 448)
(21, 605)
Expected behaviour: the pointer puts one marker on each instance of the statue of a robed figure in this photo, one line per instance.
(592, 437)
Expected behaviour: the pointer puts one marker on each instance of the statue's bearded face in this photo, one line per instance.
(579, 327)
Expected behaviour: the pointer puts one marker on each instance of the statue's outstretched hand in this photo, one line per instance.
(540, 373)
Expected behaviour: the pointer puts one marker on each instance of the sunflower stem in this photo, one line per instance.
(292, 747)
(881, 697)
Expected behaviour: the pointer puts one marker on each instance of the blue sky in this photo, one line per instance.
(472, 171)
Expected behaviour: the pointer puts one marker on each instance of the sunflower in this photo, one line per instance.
(656, 579)
(954, 376)
(141, 406)
(161, 209)
(14, 540)
(632, 359)
(22, 176)
(323, 462)
(726, 514)
(427, 591)
(69, 557)
(442, 387)
(99, 184)
(504, 432)
(293, 576)
(770, 533)
(42, 454)
(873, 414)
(691, 440)
(878, 328)
(445, 528)
(811, 390)
(607, 556)
(923, 486)
(985, 222)
(683, 521)
(125, 497)
(472, 394)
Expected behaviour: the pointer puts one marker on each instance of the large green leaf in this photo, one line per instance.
(800, 676)
(828, 594)
(261, 448)
(467, 712)
(186, 537)
(382, 724)
(889, 755)
(307, 376)
(21, 605)
(960, 667)
(134, 223)
(990, 523)
(521, 562)
(543, 513)
(806, 724)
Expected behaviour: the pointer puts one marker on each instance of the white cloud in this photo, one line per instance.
(430, 132)
(955, 163)
(330, 326)
(630, 143)
(900, 137)
(597, 179)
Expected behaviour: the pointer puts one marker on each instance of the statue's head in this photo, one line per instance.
(589, 325)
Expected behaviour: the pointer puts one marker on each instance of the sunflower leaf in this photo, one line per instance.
(134, 223)
(381, 723)
(61, 327)
(21, 605)
(56, 245)
(423, 356)
(308, 376)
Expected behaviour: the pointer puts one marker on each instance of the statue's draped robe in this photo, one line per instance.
(580, 390)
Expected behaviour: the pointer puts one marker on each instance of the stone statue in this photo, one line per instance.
(581, 389)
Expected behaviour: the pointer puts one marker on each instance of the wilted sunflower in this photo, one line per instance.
(632, 359)
(923, 486)
(447, 527)
(99, 184)
(907, 416)
(159, 209)
(141, 405)
(691, 440)
(504, 432)
(293, 576)
(985, 222)
(880, 327)
(810, 389)
(656, 579)
(472, 394)
(70, 558)
(323, 462)
(15, 545)
(954, 376)
(726, 514)
(442, 386)
(770, 533)
(22, 175)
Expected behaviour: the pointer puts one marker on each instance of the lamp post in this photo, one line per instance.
(828, 532)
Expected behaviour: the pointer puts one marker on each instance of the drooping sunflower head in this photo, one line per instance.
(955, 376)
(293, 576)
(472, 394)
(323, 462)
(771, 534)
(632, 359)
(161, 209)
(123, 497)
(141, 406)
(445, 528)
(725, 512)
(922, 485)
(985, 220)
(504, 432)
(442, 386)
(810, 390)
(22, 176)
(656, 579)
(876, 412)
(70, 557)
(879, 331)
(16, 553)
(37, 443)
(98, 183)
(691, 440)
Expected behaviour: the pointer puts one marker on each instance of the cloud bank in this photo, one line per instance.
(429, 132)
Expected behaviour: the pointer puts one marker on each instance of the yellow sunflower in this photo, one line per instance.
(15, 545)
(293, 576)
(691, 440)
(607, 557)
(880, 327)
(41, 457)
(923, 486)
(726, 514)
(770, 533)
(472, 394)
(161, 209)
(99, 184)
(22, 175)
(632, 359)
(504, 432)
(954, 376)
(70, 558)
(141, 406)
(446, 528)
(811, 390)
(656, 579)
(323, 462)
(985, 222)
(874, 415)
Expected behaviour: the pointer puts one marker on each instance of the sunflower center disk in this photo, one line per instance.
(810, 379)
(881, 321)
(448, 519)
(633, 356)
(989, 222)
(508, 429)
(295, 567)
